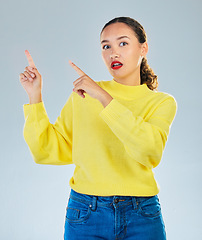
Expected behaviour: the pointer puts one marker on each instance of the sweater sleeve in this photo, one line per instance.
(143, 140)
(49, 143)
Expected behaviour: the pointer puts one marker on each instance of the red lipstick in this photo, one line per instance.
(116, 65)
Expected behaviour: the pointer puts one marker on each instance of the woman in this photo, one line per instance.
(114, 132)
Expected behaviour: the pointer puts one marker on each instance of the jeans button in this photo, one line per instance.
(116, 200)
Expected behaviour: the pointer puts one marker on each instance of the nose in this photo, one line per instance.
(114, 54)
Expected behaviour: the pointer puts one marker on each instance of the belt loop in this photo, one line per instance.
(93, 206)
(135, 203)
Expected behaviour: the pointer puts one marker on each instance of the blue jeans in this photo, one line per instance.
(91, 217)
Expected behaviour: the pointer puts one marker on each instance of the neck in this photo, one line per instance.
(123, 91)
(132, 79)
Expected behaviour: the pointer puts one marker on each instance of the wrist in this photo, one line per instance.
(105, 98)
(35, 98)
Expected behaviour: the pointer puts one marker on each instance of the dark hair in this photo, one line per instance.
(146, 73)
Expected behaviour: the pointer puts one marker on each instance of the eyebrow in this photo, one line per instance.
(117, 39)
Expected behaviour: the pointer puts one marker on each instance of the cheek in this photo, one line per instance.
(134, 56)
(105, 57)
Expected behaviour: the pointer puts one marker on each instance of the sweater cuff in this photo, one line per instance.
(113, 111)
(36, 110)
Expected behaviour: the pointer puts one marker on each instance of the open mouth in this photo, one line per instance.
(116, 65)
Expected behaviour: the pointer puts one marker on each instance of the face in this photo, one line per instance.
(122, 53)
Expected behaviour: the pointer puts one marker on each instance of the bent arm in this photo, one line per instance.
(143, 140)
(49, 143)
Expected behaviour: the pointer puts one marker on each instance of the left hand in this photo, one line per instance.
(85, 84)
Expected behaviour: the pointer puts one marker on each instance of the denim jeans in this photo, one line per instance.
(113, 218)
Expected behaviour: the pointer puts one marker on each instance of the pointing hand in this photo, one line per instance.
(31, 80)
(84, 84)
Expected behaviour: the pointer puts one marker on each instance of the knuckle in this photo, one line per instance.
(84, 77)
(36, 71)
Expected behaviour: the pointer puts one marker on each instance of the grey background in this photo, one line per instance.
(33, 197)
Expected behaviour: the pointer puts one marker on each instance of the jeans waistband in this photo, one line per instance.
(95, 201)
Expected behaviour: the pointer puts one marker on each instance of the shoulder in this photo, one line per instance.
(163, 96)
(165, 103)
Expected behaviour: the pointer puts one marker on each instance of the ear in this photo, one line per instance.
(144, 50)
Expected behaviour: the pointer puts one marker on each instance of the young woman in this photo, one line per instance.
(114, 132)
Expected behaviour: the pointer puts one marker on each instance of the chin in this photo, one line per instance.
(118, 76)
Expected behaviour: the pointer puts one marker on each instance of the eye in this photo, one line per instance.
(105, 47)
(123, 44)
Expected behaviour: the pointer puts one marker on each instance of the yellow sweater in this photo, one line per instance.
(114, 148)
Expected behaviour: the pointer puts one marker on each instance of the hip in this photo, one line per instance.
(114, 217)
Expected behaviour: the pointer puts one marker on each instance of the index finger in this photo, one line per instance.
(77, 69)
(30, 59)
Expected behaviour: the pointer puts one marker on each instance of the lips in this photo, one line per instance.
(116, 65)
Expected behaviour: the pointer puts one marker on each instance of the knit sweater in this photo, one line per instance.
(115, 148)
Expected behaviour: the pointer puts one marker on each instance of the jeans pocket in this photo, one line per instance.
(76, 211)
(149, 206)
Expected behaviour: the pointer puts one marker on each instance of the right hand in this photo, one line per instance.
(31, 83)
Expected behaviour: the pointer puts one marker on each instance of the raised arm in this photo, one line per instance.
(48, 143)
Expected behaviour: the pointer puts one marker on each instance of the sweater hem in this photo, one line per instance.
(115, 191)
